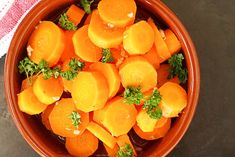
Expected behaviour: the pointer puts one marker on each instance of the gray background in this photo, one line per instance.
(211, 24)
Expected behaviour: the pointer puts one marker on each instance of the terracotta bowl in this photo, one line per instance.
(30, 126)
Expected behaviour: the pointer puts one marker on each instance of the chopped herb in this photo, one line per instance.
(86, 4)
(176, 68)
(65, 23)
(106, 56)
(151, 105)
(125, 151)
(133, 95)
(28, 67)
(76, 118)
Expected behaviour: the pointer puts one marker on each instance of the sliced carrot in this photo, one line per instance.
(161, 128)
(98, 116)
(47, 91)
(90, 91)
(75, 14)
(29, 103)
(83, 46)
(119, 13)
(153, 57)
(119, 55)
(88, 20)
(123, 140)
(119, 117)
(46, 42)
(111, 152)
(61, 121)
(68, 52)
(174, 99)
(172, 42)
(102, 35)
(45, 116)
(83, 145)
(102, 134)
(111, 74)
(28, 82)
(163, 73)
(159, 43)
(137, 71)
(138, 38)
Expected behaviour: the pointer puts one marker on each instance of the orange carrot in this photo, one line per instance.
(98, 116)
(29, 103)
(102, 134)
(47, 91)
(88, 20)
(123, 140)
(119, 117)
(161, 128)
(159, 43)
(137, 71)
(163, 73)
(46, 42)
(153, 57)
(45, 116)
(75, 14)
(90, 91)
(172, 42)
(28, 82)
(119, 13)
(102, 35)
(119, 55)
(138, 38)
(61, 120)
(111, 74)
(68, 52)
(83, 46)
(83, 145)
(111, 152)
(174, 99)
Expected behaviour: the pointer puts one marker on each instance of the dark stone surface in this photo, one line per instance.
(211, 24)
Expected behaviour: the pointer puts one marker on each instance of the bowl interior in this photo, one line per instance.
(47, 144)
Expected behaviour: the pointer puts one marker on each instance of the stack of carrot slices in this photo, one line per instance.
(119, 55)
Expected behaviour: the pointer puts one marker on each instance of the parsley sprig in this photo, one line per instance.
(65, 23)
(176, 68)
(106, 56)
(133, 95)
(125, 151)
(76, 118)
(86, 4)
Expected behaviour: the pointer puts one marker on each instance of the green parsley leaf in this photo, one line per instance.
(125, 151)
(76, 118)
(152, 105)
(65, 23)
(176, 68)
(86, 4)
(106, 56)
(133, 95)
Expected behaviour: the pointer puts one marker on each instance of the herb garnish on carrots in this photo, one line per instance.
(176, 68)
(76, 118)
(133, 95)
(65, 23)
(86, 4)
(106, 56)
(125, 151)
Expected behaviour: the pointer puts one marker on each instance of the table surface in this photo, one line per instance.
(211, 24)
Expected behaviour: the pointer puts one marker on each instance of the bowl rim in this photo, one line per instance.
(170, 18)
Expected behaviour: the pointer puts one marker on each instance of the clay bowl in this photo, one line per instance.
(31, 128)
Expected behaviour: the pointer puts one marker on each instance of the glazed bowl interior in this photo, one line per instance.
(47, 144)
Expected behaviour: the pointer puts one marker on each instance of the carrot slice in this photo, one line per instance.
(133, 37)
(163, 73)
(68, 52)
(123, 140)
(153, 57)
(29, 103)
(83, 46)
(75, 14)
(45, 116)
(90, 91)
(119, 117)
(159, 43)
(98, 116)
(118, 13)
(102, 35)
(174, 99)
(47, 91)
(137, 71)
(46, 42)
(161, 128)
(102, 134)
(88, 20)
(83, 145)
(172, 42)
(61, 121)
(111, 152)
(111, 74)
(26, 83)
